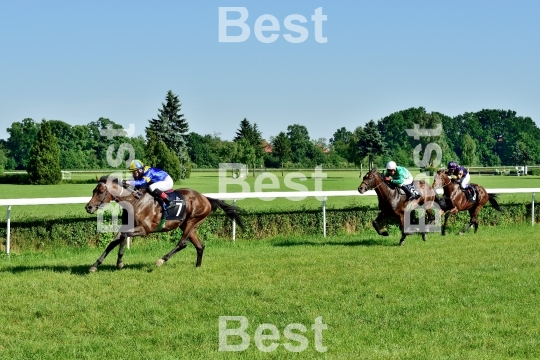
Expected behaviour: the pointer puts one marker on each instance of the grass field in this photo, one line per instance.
(453, 297)
(208, 182)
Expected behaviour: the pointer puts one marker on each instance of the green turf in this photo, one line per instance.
(453, 297)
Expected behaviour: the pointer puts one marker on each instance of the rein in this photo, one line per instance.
(118, 197)
(382, 182)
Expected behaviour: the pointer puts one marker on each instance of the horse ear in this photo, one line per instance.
(97, 179)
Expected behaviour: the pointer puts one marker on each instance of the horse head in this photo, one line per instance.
(370, 181)
(106, 190)
(440, 179)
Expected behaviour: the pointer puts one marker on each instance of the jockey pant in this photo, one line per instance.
(408, 181)
(163, 185)
(464, 182)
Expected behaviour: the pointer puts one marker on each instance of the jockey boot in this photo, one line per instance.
(469, 194)
(410, 192)
(167, 204)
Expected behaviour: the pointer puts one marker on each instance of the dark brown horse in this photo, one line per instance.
(146, 213)
(394, 204)
(457, 201)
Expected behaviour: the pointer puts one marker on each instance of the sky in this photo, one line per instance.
(77, 61)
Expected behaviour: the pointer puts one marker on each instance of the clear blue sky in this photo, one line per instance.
(77, 61)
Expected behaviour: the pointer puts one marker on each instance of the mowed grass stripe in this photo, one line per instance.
(472, 296)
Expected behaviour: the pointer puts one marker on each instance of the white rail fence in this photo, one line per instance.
(321, 195)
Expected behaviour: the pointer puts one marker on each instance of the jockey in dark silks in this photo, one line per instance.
(156, 180)
(400, 176)
(462, 177)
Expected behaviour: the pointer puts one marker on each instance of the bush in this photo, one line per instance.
(535, 172)
(15, 179)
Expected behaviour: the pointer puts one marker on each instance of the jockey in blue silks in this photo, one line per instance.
(462, 177)
(157, 181)
(400, 176)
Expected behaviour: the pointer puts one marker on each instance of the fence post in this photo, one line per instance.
(324, 215)
(234, 224)
(8, 237)
(532, 210)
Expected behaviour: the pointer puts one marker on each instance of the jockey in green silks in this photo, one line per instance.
(400, 176)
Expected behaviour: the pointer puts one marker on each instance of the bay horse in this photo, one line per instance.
(394, 204)
(146, 213)
(457, 201)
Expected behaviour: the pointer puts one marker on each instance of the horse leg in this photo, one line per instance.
(117, 240)
(377, 226)
(446, 216)
(187, 227)
(119, 262)
(474, 216)
(403, 234)
(198, 245)
(472, 221)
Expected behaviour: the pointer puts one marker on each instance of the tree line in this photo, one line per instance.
(483, 138)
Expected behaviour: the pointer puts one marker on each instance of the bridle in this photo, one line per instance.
(441, 180)
(118, 197)
(364, 182)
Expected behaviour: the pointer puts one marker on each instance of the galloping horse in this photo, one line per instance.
(146, 212)
(394, 204)
(458, 200)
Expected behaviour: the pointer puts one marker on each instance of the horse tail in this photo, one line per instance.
(231, 211)
(493, 201)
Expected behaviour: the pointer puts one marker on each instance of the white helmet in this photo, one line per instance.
(391, 165)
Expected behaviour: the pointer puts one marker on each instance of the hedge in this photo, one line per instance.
(46, 234)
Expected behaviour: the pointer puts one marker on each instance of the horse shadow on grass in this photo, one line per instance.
(78, 270)
(361, 242)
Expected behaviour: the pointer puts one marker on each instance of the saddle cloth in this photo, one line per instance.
(179, 210)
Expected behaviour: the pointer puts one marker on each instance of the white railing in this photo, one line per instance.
(321, 195)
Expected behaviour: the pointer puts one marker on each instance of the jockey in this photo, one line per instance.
(401, 177)
(155, 179)
(462, 177)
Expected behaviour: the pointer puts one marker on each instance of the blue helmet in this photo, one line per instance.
(452, 165)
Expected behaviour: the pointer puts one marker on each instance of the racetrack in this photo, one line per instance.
(472, 296)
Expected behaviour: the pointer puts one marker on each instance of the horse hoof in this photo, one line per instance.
(385, 233)
(92, 269)
(401, 243)
(120, 265)
(160, 262)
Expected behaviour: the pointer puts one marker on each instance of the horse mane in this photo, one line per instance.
(105, 178)
(376, 172)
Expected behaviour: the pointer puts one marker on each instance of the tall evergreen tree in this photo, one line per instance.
(157, 154)
(44, 162)
(248, 135)
(371, 143)
(171, 127)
